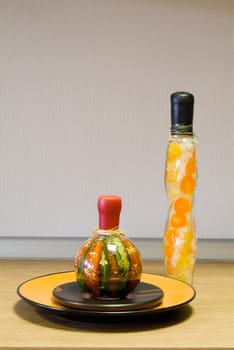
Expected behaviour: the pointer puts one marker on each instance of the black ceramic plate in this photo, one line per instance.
(144, 296)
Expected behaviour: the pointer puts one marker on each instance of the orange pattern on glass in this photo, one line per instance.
(180, 183)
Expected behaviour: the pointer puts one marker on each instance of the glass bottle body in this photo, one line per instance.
(108, 265)
(180, 184)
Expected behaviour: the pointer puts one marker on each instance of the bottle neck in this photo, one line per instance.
(109, 207)
(182, 130)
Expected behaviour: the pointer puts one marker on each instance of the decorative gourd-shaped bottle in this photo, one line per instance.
(108, 264)
(180, 183)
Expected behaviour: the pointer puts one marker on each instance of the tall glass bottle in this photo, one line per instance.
(180, 183)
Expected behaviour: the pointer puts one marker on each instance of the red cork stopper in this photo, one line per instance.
(109, 207)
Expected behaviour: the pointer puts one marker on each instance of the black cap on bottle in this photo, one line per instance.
(182, 113)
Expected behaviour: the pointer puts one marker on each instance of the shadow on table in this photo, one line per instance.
(126, 323)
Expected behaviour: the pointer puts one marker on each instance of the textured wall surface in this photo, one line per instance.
(84, 111)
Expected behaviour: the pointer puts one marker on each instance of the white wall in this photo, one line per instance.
(84, 110)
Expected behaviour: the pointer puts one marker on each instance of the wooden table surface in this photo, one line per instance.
(206, 323)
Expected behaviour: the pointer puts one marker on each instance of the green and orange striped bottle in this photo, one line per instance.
(180, 184)
(108, 265)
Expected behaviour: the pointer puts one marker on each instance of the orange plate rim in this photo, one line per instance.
(176, 295)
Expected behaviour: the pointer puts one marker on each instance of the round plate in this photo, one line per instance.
(38, 292)
(144, 296)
